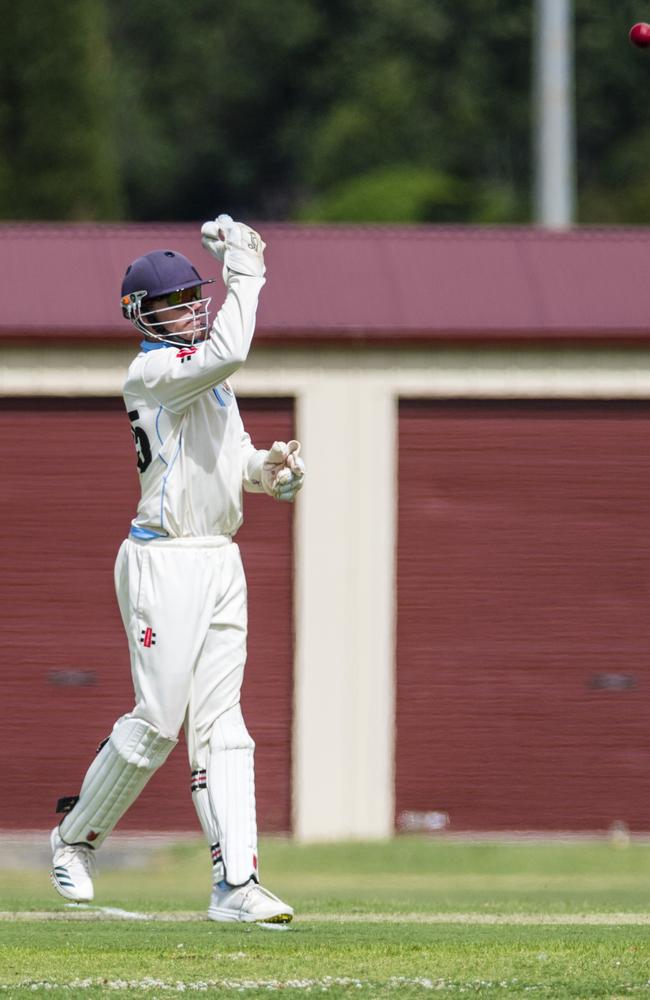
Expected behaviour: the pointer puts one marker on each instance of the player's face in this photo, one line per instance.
(180, 312)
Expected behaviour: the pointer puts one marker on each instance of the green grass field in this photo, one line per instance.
(405, 919)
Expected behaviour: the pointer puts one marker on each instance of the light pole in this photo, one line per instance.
(554, 114)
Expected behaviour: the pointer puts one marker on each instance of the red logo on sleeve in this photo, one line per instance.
(186, 353)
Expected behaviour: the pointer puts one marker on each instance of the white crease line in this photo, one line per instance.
(240, 985)
(109, 911)
(498, 919)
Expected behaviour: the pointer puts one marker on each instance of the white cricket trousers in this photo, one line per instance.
(183, 604)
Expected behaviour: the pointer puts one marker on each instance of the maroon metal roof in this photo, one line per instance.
(361, 282)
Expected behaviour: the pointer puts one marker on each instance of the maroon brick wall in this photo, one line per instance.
(69, 492)
(523, 674)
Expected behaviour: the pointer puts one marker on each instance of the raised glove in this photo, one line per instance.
(283, 470)
(235, 245)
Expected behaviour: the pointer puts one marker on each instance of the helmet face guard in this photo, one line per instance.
(153, 322)
(158, 275)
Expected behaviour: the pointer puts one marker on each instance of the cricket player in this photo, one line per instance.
(178, 575)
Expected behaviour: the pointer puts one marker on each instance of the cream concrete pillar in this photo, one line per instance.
(344, 698)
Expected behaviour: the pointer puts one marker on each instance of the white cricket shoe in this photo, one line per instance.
(72, 869)
(250, 903)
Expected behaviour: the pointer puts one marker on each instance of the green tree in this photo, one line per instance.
(613, 120)
(59, 157)
(351, 109)
(274, 109)
(411, 85)
(206, 100)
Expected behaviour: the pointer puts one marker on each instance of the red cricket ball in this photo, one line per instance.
(640, 35)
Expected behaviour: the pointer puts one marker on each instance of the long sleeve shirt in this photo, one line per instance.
(193, 454)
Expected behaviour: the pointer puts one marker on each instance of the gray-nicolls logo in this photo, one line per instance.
(147, 637)
(254, 243)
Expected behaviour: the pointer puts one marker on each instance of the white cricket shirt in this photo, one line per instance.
(193, 454)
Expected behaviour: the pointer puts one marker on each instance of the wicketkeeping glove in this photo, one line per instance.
(283, 470)
(235, 245)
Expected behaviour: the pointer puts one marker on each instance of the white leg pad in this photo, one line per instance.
(133, 752)
(201, 800)
(231, 787)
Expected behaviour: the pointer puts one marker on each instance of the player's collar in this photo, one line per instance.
(153, 345)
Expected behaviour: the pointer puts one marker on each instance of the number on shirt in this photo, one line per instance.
(141, 441)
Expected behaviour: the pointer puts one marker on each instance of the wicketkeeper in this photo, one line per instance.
(178, 575)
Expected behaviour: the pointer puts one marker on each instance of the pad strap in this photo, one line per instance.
(66, 803)
(201, 800)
